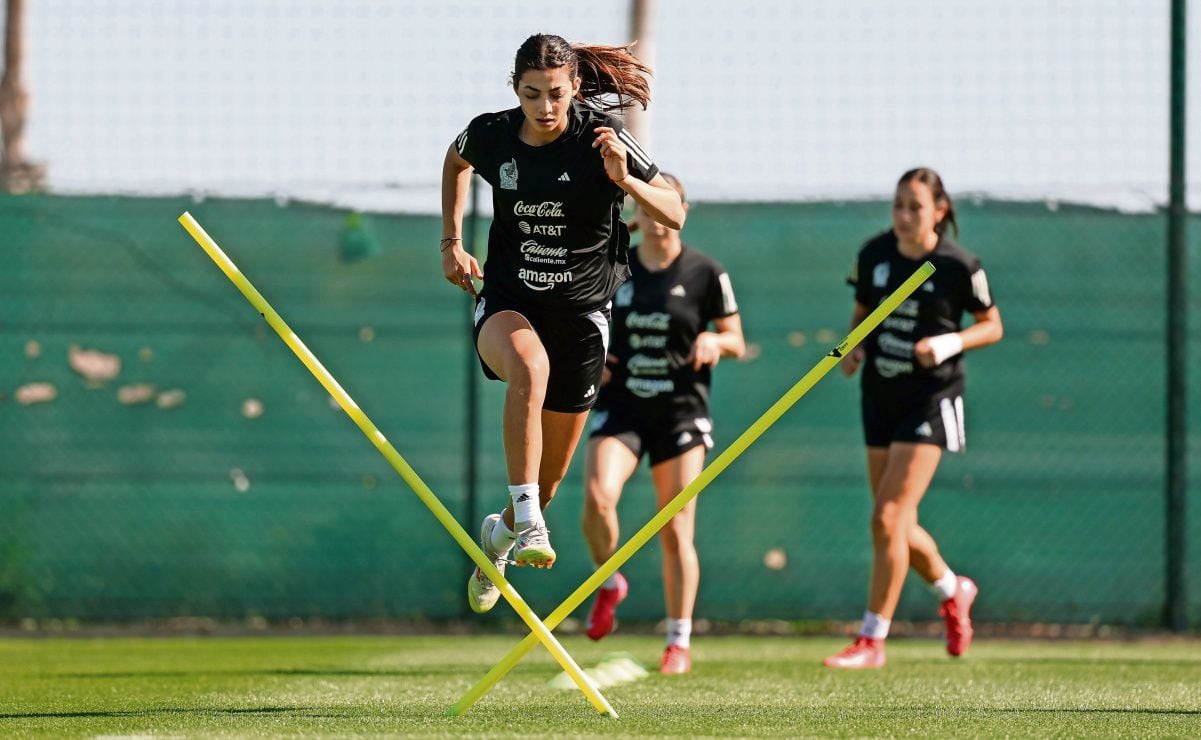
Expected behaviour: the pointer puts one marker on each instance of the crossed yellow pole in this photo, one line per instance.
(538, 629)
(769, 417)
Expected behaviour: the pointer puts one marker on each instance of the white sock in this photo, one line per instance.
(526, 508)
(945, 587)
(611, 581)
(875, 626)
(679, 632)
(502, 537)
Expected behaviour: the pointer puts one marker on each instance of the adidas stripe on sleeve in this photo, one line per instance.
(638, 160)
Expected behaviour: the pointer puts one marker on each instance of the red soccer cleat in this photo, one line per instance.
(604, 609)
(865, 652)
(957, 613)
(675, 660)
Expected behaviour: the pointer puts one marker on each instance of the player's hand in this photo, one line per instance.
(607, 372)
(850, 361)
(458, 268)
(924, 353)
(706, 350)
(613, 151)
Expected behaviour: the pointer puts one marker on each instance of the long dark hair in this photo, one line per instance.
(930, 179)
(611, 77)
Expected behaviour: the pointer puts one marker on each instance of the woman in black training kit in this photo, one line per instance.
(912, 400)
(655, 401)
(560, 168)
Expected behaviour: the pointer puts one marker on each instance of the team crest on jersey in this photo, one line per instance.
(508, 175)
(624, 296)
(880, 275)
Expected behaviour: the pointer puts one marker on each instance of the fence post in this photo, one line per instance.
(1176, 611)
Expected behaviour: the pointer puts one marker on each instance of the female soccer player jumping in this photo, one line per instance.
(655, 400)
(560, 169)
(912, 400)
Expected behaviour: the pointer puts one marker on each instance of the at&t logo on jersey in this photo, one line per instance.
(541, 229)
(648, 341)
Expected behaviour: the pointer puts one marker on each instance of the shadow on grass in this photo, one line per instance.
(347, 672)
(1087, 710)
(162, 710)
(1127, 662)
(1037, 710)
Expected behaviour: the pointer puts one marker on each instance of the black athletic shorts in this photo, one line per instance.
(932, 418)
(661, 436)
(575, 345)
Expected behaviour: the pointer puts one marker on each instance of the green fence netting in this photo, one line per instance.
(163, 453)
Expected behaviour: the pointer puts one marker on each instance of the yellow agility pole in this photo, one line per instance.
(690, 492)
(539, 630)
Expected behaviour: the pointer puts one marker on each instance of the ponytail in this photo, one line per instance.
(612, 72)
(611, 77)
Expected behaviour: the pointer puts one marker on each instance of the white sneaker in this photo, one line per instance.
(533, 547)
(482, 593)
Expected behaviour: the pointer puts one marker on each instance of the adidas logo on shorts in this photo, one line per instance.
(564, 178)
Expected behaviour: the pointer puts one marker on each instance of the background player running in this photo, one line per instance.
(655, 401)
(912, 400)
(560, 169)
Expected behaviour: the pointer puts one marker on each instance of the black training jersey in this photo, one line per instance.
(957, 285)
(656, 318)
(557, 239)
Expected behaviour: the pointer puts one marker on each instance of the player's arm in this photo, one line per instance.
(987, 330)
(931, 351)
(657, 197)
(977, 298)
(457, 266)
(725, 341)
(850, 361)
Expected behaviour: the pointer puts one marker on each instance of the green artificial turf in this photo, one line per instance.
(740, 686)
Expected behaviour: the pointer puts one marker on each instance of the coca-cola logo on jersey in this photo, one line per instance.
(545, 209)
(657, 321)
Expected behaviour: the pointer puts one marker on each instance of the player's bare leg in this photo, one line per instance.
(511, 348)
(897, 488)
(608, 465)
(681, 568)
(955, 593)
